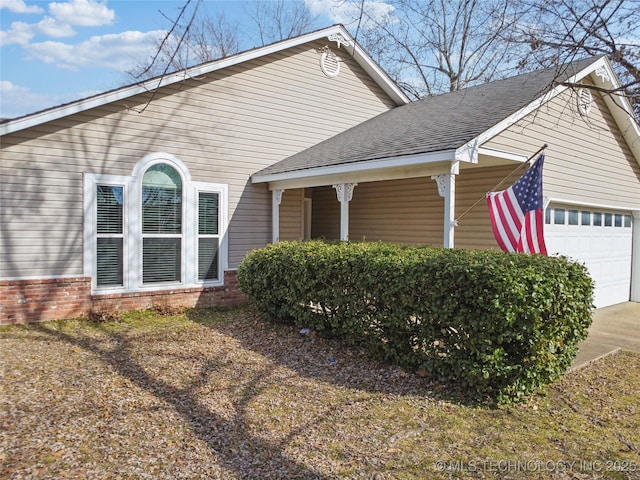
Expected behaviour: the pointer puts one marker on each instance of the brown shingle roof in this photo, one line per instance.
(437, 123)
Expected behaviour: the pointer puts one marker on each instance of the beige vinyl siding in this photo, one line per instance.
(587, 159)
(291, 215)
(410, 211)
(402, 211)
(224, 126)
(474, 228)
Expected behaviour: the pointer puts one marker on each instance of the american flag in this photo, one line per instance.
(517, 213)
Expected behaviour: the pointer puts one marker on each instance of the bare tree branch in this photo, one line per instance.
(562, 30)
(280, 19)
(440, 45)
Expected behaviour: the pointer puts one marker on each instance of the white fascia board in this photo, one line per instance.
(424, 170)
(125, 92)
(620, 108)
(55, 113)
(490, 152)
(356, 167)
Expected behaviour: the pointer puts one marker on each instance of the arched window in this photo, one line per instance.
(154, 229)
(161, 225)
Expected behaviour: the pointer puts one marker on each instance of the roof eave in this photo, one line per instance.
(360, 56)
(618, 105)
(390, 168)
(620, 108)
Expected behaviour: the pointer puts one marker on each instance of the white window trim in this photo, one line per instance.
(132, 275)
(192, 258)
(91, 181)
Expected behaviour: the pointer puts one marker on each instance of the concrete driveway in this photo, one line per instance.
(613, 328)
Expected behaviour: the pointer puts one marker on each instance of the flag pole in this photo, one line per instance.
(542, 148)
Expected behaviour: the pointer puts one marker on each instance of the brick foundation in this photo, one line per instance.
(23, 301)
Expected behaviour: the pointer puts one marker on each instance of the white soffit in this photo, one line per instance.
(359, 55)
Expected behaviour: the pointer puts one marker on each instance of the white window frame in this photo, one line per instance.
(222, 191)
(141, 168)
(91, 182)
(132, 213)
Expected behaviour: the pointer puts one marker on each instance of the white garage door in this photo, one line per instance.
(601, 239)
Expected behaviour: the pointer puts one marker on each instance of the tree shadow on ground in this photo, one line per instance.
(230, 440)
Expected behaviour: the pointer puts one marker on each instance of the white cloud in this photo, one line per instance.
(18, 6)
(53, 28)
(348, 13)
(117, 51)
(7, 88)
(19, 33)
(86, 13)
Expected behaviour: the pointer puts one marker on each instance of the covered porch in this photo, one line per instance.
(415, 200)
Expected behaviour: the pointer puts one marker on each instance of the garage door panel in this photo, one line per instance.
(605, 251)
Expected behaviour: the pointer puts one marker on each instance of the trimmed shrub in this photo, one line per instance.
(496, 324)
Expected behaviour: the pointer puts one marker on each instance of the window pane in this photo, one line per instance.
(208, 213)
(161, 200)
(618, 220)
(109, 202)
(547, 216)
(597, 218)
(161, 260)
(627, 220)
(109, 257)
(586, 218)
(573, 217)
(208, 259)
(608, 219)
(558, 216)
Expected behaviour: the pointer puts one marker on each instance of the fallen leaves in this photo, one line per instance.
(222, 395)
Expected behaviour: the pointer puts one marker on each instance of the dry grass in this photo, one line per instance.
(222, 395)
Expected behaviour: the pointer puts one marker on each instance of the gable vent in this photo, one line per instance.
(329, 63)
(584, 101)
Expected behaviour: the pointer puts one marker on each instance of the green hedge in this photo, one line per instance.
(498, 325)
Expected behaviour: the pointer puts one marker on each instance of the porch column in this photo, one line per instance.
(344, 191)
(447, 189)
(276, 198)
(635, 258)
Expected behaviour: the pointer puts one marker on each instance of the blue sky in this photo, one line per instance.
(53, 52)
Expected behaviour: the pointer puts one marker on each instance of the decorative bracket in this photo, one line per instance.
(344, 191)
(277, 196)
(603, 73)
(339, 39)
(441, 181)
